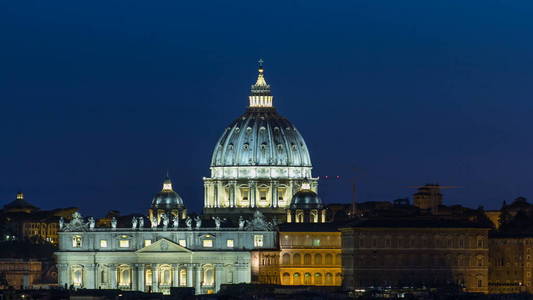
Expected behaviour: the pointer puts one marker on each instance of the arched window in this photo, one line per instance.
(183, 277)
(77, 276)
(208, 275)
(329, 259)
(297, 280)
(307, 278)
(338, 279)
(286, 279)
(148, 277)
(124, 276)
(318, 259)
(286, 259)
(307, 260)
(338, 259)
(318, 279)
(329, 279)
(165, 277)
(296, 259)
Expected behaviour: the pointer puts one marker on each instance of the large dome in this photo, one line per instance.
(261, 137)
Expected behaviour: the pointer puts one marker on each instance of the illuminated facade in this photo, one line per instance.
(158, 258)
(259, 162)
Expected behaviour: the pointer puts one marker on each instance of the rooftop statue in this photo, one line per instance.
(114, 223)
(258, 222)
(198, 222)
(76, 224)
(176, 222)
(188, 222)
(91, 223)
(133, 223)
(141, 222)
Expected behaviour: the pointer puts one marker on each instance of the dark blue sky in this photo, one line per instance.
(99, 98)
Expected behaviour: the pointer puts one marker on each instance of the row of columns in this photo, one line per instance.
(213, 187)
(91, 278)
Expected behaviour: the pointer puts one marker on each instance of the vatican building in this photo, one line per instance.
(260, 177)
(259, 162)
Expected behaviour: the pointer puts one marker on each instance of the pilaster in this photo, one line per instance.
(155, 283)
(140, 277)
(175, 275)
(113, 275)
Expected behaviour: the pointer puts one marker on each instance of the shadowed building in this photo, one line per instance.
(415, 251)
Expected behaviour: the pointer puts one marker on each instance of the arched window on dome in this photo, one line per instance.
(299, 216)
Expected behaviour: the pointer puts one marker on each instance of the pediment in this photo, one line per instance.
(163, 246)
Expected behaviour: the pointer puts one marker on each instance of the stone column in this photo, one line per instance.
(232, 185)
(90, 283)
(252, 193)
(206, 201)
(189, 275)
(274, 186)
(62, 275)
(198, 283)
(113, 275)
(216, 186)
(155, 283)
(218, 276)
(175, 275)
(134, 277)
(140, 277)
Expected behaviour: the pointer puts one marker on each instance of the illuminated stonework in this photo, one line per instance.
(260, 161)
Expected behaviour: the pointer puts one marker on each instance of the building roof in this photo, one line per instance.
(20, 203)
(416, 222)
(308, 227)
(261, 137)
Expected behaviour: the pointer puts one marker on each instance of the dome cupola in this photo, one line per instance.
(306, 199)
(167, 198)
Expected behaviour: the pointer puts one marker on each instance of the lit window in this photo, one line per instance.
(208, 243)
(147, 243)
(76, 241)
(182, 243)
(258, 240)
(229, 243)
(316, 242)
(103, 243)
(124, 243)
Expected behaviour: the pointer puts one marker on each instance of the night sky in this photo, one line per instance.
(99, 98)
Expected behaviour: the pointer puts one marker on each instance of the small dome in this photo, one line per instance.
(306, 199)
(167, 198)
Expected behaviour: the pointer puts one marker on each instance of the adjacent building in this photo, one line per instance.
(415, 251)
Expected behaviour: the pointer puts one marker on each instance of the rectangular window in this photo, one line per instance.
(76, 241)
(316, 242)
(182, 243)
(207, 243)
(124, 243)
(258, 240)
(147, 243)
(103, 243)
(229, 243)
